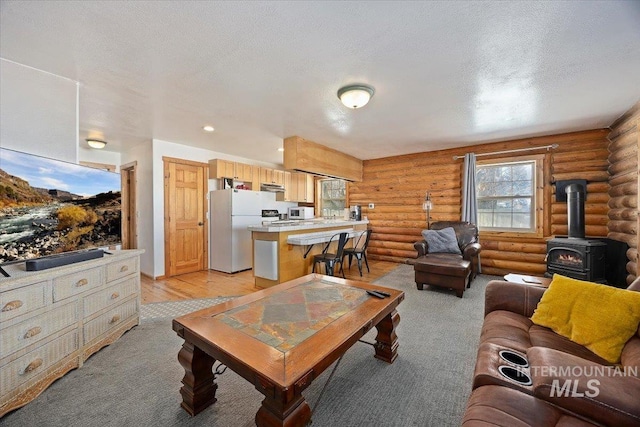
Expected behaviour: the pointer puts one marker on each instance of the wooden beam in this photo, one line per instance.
(307, 156)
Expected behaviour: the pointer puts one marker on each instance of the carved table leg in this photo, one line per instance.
(387, 340)
(199, 389)
(272, 413)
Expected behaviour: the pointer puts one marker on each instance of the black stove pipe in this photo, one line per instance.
(575, 210)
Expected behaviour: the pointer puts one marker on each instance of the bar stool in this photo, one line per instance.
(359, 251)
(330, 260)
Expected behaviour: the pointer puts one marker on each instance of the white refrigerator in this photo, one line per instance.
(231, 212)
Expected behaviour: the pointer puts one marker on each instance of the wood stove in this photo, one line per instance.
(574, 256)
(582, 259)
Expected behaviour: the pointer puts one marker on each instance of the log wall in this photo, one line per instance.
(397, 186)
(624, 171)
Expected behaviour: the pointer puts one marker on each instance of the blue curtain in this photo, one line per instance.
(469, 198)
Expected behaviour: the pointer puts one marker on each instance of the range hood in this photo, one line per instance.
(274, 188)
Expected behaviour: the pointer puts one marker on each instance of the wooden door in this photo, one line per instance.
(129, 209)
(186, 245)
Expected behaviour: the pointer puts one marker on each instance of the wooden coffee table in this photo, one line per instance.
(281, 339)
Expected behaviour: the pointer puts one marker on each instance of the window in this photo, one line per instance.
(507, 196)
(333, 197)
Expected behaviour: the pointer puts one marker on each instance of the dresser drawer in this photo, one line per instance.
(22, 300)
(111, 319)
(72, 284)
(110, 296)
(37, 361)
(119, 269)
(33, 330)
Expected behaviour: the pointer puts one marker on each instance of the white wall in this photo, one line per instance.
(100, 156)
(162, 149)
(38, 112)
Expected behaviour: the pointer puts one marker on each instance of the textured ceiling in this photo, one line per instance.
(446, 73)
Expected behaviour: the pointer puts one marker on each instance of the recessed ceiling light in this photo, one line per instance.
(280, 149)
(208, 128)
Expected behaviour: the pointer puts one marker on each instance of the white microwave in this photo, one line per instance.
(301, 213)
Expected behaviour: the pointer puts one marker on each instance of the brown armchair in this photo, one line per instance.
(448, 269)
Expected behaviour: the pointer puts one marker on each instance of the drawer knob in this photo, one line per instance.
(33, 332)
(81, 282)
(12, 305)
(124, 268)
(114, 319)
(33, 366)
(115, 295)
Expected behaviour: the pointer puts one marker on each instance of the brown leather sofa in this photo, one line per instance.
(593, 395)
(449, 270)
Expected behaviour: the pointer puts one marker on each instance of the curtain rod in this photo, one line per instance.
(547, 147)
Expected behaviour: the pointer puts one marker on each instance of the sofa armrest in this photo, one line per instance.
(470, 251)
(421, 247)
(518, 298)
(599, 392)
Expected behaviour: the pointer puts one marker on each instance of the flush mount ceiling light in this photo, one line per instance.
(96, 143)
(208, 128)
(355, 96)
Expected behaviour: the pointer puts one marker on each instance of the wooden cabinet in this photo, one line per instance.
(53, 320)
(298, 187)
(271, 176)
(255, 181)
(219, 168)
(244, 172)
(286, 196)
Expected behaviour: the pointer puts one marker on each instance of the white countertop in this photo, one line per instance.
(306, 239)
(310, 224)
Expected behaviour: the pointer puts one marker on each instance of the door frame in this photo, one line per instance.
(129, 217)
(205, 206)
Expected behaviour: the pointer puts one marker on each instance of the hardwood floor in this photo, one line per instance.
(211, 284)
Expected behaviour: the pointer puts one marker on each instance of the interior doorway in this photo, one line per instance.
(129, 209)
(185, 216)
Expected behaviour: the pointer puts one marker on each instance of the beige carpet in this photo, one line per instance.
(136, 381)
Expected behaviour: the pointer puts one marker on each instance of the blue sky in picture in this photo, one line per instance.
(55, 174)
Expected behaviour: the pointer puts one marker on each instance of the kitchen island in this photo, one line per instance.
(284, 251)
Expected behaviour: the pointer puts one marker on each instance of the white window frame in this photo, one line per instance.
(321, 198)
(536, 196)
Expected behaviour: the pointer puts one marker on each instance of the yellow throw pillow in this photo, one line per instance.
(599, 317)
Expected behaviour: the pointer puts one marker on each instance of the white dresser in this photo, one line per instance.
(52, 320)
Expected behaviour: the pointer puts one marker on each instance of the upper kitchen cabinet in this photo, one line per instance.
(219, 168)
(271, 176)
(298, 188)
(244, 172)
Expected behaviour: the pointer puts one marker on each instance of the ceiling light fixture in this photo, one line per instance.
(355, 96)
(208, 128)
(280, 149)
(96, 143)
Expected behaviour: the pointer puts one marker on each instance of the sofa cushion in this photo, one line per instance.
(545, 337)
(442, 241)
(493, 405)
(600, 317)
(506, 329)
